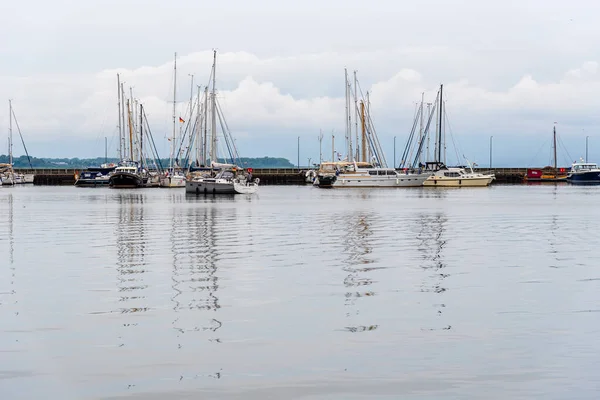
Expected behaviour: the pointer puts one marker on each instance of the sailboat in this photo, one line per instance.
(548, 173)
(365, 165)
(173, 176)
(130, 172)
(8, 177)
(216, 177)
(442, 175)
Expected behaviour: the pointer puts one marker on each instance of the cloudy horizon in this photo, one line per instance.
(510, 70)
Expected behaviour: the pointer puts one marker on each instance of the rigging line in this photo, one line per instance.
(21, 136)
(560, 142)
(225, 136)
(151, 139)
(426, 131)
(235, 150)
(456, 147)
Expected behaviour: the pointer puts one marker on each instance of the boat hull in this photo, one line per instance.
(245, 188)
(209, 187)
(585, 178)
(175, 181)
(437, 181)
(409, 180)
(325, 181)
(125, 180)
(82, 182)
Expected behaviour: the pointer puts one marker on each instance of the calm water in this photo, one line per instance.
(300, 293)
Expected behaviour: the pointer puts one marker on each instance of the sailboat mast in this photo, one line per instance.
(364, 132)
(10, 140)
(172, 147)
(198, 130)
(119, 116)
(191, 133)
(142, 158)
(130, 131)
(421, 125)
(332, 147)
(205, 135)
(213, 144)
(439, 155)
(348, 123)
(356, 115)
(122, 116)
(105, 150)
(554, 150)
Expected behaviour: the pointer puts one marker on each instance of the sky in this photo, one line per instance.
(513, 70)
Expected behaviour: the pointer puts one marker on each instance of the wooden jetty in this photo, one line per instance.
(267, 176)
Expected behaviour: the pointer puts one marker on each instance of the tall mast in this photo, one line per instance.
(439, 155)
(119, 115)
(555, 150)
(10, 140)
(355, 115)
(174, 106)
(205, 135)
(123, 119)
(105, 150)
(142, 132)
(198, 130)
(347, 123)
(130, 131)
(428, 135)
(320, 146)
(364, 133)
(190, 125)
(213, 144)
(332, 147)
(421, 126)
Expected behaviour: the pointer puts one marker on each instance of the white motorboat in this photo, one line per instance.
(369, 176)
(455, 176)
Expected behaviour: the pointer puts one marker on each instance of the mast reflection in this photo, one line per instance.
(358, 248)
(131, 248)
(195, 281)
(431, 246)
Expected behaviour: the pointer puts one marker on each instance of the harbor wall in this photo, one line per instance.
(267, 176)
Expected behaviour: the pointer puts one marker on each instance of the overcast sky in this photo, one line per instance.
(510, 70)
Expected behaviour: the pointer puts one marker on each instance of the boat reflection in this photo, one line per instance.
(131, 242)
(358, 248)
(432, 241)
(195, 282)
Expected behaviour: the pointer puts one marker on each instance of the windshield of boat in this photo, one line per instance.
(578, 167)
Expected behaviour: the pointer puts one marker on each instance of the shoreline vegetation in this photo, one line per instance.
(23, 162)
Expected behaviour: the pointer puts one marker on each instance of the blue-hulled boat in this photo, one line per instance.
(584, 173)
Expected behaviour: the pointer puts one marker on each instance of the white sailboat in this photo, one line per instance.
(8, 177)
(173, 176)
(442, 175)
(216, 177)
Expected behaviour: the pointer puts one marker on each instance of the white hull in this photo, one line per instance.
(176, 181)
(7, 181)
(243, 188)
(350, 181)
(441, 181)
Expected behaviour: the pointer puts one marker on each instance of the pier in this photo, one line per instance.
(267, 176)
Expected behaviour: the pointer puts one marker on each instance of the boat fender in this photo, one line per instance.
(256, 180)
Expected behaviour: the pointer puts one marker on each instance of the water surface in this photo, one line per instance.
(300, 293)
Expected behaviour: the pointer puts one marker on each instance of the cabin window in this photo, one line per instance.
(391, 173)
(372, 172)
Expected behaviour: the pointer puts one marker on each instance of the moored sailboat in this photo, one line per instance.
(211, 176)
